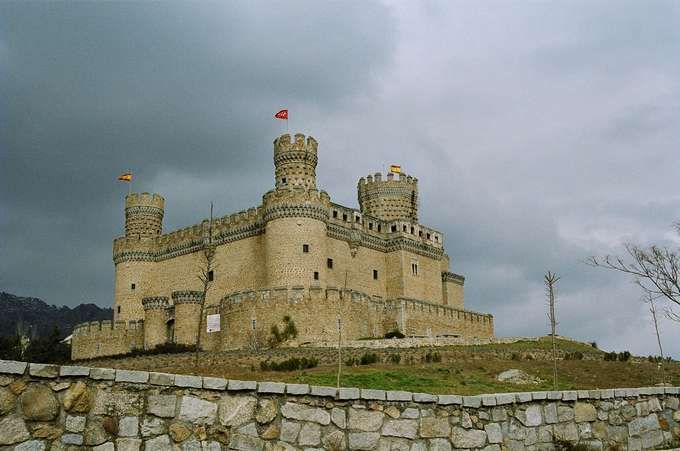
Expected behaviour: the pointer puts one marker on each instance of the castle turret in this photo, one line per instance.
(132, 254)
(143, 215)
(389, 199)
(296, 216)
(155, 329)
(295, 161)
(187, 316)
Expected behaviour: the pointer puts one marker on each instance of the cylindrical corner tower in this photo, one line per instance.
(155, 329)
(187, 316)
(296, 216)
(143, 215)
(295, 161)
(390, 199)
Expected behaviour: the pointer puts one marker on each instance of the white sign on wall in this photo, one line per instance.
(213, 323)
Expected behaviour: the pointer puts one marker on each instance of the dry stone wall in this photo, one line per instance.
(72, 407)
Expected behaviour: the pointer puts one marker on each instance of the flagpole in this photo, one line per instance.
(130, 184)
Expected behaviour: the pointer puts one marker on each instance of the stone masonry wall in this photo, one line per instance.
(71, 407)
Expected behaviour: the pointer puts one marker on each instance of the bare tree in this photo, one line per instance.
(550, 280)
(655, 269)
(205, 276)
(652, 309)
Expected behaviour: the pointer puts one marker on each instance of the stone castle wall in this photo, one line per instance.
(100, 338)
(246, 319)
(73, 407)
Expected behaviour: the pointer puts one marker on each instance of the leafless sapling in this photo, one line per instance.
(550, 280)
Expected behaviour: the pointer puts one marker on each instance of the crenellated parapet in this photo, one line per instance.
(143, 215)
(187, 297)
(291, 202)
(295, 161)
(106, 338)
(394, 197)
(155, 303)
(452, 277)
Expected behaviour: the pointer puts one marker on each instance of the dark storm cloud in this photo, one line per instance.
(541, 133)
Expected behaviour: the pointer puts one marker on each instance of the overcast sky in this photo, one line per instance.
(541, 133)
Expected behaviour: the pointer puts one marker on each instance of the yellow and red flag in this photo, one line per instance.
(125, 177)
(283, 114)
(395, 169)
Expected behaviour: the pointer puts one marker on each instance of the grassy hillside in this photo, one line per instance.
(471, 372)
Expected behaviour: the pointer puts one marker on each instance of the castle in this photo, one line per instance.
(330, 269)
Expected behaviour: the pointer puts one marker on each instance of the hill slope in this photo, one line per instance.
(39, 318)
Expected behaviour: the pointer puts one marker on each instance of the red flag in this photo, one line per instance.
(283, 114)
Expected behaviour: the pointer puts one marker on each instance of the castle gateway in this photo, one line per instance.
(298, 256)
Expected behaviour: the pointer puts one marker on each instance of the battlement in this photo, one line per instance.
(106, 338)
(144, 199)
(295, 295)
(377, 180)
(187, 297)
(390, 198)
(155, 303)
(284, 144)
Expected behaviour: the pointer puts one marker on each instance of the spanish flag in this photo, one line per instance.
(125, 177)
(395, 169)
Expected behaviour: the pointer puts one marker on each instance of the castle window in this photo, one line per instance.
(119, 309)
(344, 216)
(379, 228)
(211, 276)
(375, 274)
(436, 238)
(357, 219)
(428, 236)
(253, 323)
(394, 228)
(413, 231)
(414, 268)
(420, 233)
(335, 213)
(284, 180)
(329, 263)
(403, 229)
(370, 226)
(305, 248)
(133, 286)
(316, 275)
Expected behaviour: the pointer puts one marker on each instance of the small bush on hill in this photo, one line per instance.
(576, 355)
(368, 358)
(394, 334)
(594, 344)
(432, 357)
(395, 358)
(292, 364)
(624, 356)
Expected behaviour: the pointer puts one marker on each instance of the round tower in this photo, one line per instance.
(155, 329)
(296, 216)
(187, 316)
(389, 199)
(295, 161)
(143, 215)
(133, 254)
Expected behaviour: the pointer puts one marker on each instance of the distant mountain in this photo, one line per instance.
(38, 319)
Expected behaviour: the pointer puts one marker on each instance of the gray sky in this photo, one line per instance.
(541, 133)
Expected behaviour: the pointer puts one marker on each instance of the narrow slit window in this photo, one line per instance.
(119, 309)
(335, 214)
(133, 286)
(305, 248)
(375, 274)
(211, 276)
(329, 263)
(394, 228)
(370, 226)
(316, 275)
(344, 217)
(253, 323)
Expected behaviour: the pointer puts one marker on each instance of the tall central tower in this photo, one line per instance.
(296, 216)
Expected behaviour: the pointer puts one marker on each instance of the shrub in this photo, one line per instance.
(278, 337)
(624, 356)
(395, 358)
(594, 344)
(352, 361)
(611, 356)
(368, 358)
(292, 364)
(432, 357)
(576, 355)
(516, 356)
(394, 334)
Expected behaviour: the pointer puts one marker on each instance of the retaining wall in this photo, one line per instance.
(73, 407)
